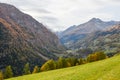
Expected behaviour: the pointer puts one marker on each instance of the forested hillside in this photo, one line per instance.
(23, 39)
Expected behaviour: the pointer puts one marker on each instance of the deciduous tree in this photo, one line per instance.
(1, 75)
(36, 69)
(49, 65)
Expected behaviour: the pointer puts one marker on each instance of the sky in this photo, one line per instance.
(58, 15)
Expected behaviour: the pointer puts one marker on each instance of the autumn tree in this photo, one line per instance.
(49, 65)
(96, 56)
(26, 69)
(1, 75)
(100, 55)
(36, 69)
(91, 57)
(8, 72)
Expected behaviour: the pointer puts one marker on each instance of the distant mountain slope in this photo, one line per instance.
(75, 33)
(23, 39)
(108, 40)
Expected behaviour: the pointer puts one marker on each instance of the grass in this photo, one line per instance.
(108, 69)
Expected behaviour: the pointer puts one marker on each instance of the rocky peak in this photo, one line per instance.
(95, 20)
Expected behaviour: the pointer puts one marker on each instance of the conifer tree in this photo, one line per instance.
(26, 69)
(72, 61)
(8, 72)
(80, 61)
(62, 63)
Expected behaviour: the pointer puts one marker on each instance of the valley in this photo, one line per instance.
(31, 50)
(94, 35)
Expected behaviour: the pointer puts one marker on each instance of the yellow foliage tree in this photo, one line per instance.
(36, 69)
(1, 75)
(49, 65)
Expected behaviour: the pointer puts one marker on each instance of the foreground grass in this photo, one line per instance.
(108, 69)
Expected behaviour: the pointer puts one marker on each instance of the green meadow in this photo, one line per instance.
(108, 69)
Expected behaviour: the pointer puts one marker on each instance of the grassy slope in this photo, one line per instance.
(108, 69)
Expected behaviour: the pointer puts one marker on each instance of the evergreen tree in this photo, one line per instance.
(1, 75)
(26, 69)
(52, 64)
(62, 63)
(36, 69)
(80, 61)
(57, 65)
(8, 72)
(72, 61)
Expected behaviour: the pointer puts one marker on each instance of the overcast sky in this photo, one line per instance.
(58, 15)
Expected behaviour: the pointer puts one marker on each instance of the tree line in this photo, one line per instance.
(54, 64)
(69, 62)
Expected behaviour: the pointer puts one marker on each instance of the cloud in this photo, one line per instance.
(49, 19)
(34, 9)
(60, 14)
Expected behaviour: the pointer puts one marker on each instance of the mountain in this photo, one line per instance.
(108, 41)
(76, 33)
(23, 39)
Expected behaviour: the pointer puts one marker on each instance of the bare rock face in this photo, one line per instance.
(23, 39)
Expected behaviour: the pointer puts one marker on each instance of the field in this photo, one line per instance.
(108, 69)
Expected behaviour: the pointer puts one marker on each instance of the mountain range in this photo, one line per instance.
(108, 41)
(74, 34)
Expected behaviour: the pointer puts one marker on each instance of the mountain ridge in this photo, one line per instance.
(107, 41)
(81, 31)
(23, 39)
